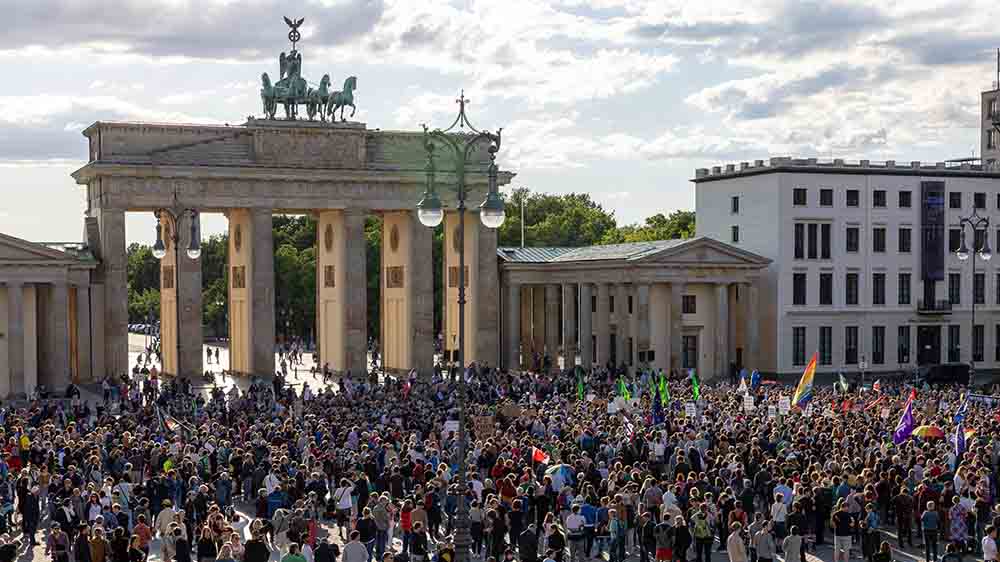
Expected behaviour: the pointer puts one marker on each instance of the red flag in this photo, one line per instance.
(539, 456)
(406, 389)
(846, 407)
(874, 403)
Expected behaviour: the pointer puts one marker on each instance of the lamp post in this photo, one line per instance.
(175, 213)
(977, 223)
(430, 213)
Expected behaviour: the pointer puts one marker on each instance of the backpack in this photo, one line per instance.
(701, 529)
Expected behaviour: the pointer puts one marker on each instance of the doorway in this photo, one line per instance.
(928, 345)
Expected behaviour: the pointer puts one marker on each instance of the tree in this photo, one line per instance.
(679, 224)
(572, 219)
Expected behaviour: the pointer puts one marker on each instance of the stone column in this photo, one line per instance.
(722, 331)
(538, 319)
(83, 329)
(58, 330)
(603, 330)
(526, 316)
(112, 271)
(487, 296)
(262, 329)
(752, 351)
(512, 296)
(180, 299)
(422, 295)
(15, 339)
(356, 291)
(586, 326)
(552, 322)
(569, 324)
(622, 322)
(676, 324)
(642, 322)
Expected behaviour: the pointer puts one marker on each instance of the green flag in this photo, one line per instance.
(664, 389)
(623, 390)
(695, 385)
(580, 389)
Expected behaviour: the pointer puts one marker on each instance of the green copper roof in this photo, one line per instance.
(631, 251)
(78, 250)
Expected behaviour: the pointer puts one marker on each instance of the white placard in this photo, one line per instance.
(784, 405)
(690, 410)
(808, 412)
(612, 407)
(450, 426)
(591, 397)
(748, 403)
(885, 413)
(772, 412)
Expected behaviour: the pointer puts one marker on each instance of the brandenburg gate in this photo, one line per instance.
(337, 171)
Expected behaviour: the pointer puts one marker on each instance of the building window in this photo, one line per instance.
(799, 196)
(979, 200)
(878, 239)
(996, 342)
(954, 239)
(903, 291)
(825, 345)
(955, 199)
(798, 345)
(878, 289)
(689, 305)
(954, 288)
(991, 138)
(905, 240)
(813, 242)
(903, 349)
(979, 288)
(878, 345)
(826, 197)
(851, 345)
(978, 342)
(630, 304)
(878, 199)
(824, 241)
(799, 289)
(991, 110)
(853, 198)
(905, 199)
(853, 239)
(826, 288)
(851, 288)
(611, 304)
(800, 241)
(998, 288)
(593, 304)
(735, 234)
(954, 333)
(690, 346)
(734, 204)
(978, 240)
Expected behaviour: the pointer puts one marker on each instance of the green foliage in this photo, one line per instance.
(142, 268)
(143, 305)
(294, 276)
(573, 219)
(373, 268)
(679, 224)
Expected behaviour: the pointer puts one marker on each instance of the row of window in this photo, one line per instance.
(813, 241)
(903, 289)
(880, 198)
(878, 356)
(689, 304)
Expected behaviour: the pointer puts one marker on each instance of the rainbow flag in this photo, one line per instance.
(803, 393)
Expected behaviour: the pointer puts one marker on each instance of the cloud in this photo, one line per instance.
(47, 127)
(229, 30)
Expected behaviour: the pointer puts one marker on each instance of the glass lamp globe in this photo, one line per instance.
(194, 253)
(491, 211)
(986, 254)
(429, 210)
(159, 251)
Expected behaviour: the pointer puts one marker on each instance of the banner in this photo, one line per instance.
(747, 403)
(483, 426)
(784, 405)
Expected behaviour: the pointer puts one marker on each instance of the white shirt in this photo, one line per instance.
(343, 497)
(575, 523)
(271, 482)
(989, 548)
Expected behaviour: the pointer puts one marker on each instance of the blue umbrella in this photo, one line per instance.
(561, 475)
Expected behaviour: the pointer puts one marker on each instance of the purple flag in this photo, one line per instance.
(959, 441)
(906, 423)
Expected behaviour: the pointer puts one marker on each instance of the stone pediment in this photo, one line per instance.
(707, 252)
(21, 251)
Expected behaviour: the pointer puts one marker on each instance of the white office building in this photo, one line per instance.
(864, 271)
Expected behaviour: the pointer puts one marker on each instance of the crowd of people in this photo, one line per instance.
(561, 467)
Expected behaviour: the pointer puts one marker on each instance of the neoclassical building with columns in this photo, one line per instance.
(672, 304)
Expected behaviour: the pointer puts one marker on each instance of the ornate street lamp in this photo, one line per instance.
(430, 213)
(984, 252)
(175, 213)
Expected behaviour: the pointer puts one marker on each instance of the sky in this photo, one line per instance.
(621, 99)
